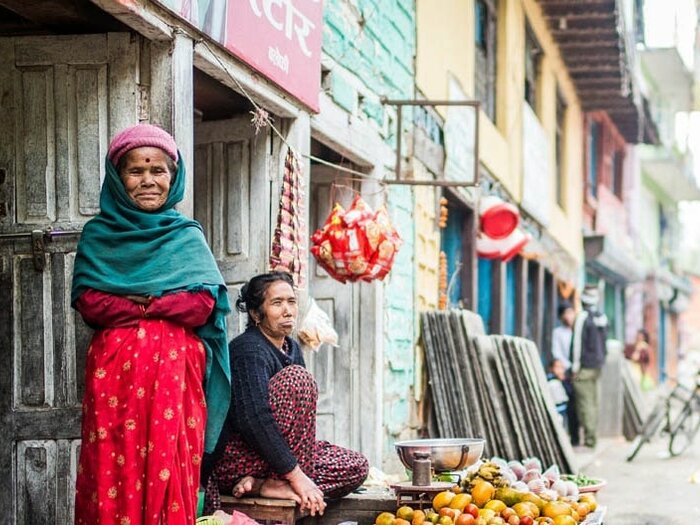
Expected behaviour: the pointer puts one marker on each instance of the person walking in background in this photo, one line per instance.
(639, 356)
(588, 354)
(561, 352)
(555, 382)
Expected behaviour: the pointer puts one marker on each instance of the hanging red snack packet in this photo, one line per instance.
(387, 241)
(323, 245)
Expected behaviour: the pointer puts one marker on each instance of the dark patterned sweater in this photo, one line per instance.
(254, 360)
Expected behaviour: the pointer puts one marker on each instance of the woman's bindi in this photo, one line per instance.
(148, 160)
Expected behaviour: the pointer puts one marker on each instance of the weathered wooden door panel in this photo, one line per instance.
(334, 368)
(62, 97)
(232, 195)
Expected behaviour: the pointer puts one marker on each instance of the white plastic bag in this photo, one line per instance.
(316, 328)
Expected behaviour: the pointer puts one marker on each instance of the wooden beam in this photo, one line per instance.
(593, 70)
(152, 22)
(585, 33)
(157, 23)
(64, 14)
(588, 44)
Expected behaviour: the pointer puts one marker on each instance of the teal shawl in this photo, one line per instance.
(125, 250)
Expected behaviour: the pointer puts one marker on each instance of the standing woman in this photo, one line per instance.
(268, 445)
(146, 281)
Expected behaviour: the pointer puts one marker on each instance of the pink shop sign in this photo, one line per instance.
(279, 38)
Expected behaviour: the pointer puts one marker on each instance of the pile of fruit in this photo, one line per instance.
(502, 493)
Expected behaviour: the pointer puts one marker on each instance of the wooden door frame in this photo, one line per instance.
(362, 144)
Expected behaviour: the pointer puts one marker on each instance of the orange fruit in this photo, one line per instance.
(482, 493)
(590, 499)
(553, 509)
(526, 508)
(418, 517)
(533, 498)
(487, 513)
(405, 513)
(443, 499)
(385, 518)
(496, 505)
(583, 509)
(399, 521)
(564, 520)
(445, 520)
(460, 501)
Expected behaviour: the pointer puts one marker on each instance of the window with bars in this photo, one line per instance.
(533, 54)
(560, 148)
(486, 39)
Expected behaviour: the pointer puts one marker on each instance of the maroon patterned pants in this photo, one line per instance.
(293, 393)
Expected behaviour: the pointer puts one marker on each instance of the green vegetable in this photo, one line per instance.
(581, 480)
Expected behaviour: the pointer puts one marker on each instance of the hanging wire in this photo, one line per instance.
(261, 118)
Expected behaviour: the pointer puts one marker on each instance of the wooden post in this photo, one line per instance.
(470, 278)
(538, 303)
(498, 297)
(550, 321)
(521, 267)
(183, 111)
(168, 99)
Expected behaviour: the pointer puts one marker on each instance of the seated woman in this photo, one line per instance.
(268, 445)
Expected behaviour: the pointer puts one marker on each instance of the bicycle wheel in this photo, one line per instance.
(684, 429)
(650, 428)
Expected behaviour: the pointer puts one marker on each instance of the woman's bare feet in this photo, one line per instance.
(278, 488)
(247, 485)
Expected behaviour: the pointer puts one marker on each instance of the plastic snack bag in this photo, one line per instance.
(316, 328)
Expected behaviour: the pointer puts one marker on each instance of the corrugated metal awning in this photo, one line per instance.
(591, 37)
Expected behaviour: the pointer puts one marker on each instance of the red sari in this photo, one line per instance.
(144, 410)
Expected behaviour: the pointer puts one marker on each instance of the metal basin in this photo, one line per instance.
(446, 454)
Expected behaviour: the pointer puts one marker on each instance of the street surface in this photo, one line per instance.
(651, 490)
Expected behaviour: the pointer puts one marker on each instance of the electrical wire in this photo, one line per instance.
(261, 118)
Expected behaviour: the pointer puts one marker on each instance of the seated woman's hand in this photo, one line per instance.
(311, 496)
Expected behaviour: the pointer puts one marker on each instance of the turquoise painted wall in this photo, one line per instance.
(372, 46)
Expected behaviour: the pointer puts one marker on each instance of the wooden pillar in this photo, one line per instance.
(521, 267)
(550, 321)
(470, 273)
(538, 303)
(183, 111)
(498, 297)
(168, 87)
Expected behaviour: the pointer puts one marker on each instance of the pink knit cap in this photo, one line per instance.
(139, 136)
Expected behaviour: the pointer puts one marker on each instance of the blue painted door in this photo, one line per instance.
(485, 299)
(451, 244)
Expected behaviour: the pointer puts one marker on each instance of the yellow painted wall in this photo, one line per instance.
(445, 46)
(427, 242)
(566, 224)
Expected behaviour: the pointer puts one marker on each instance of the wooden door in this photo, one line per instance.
(335, 369)
(233, 191)
(62, 98)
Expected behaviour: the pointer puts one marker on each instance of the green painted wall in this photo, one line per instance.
(372, 46)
